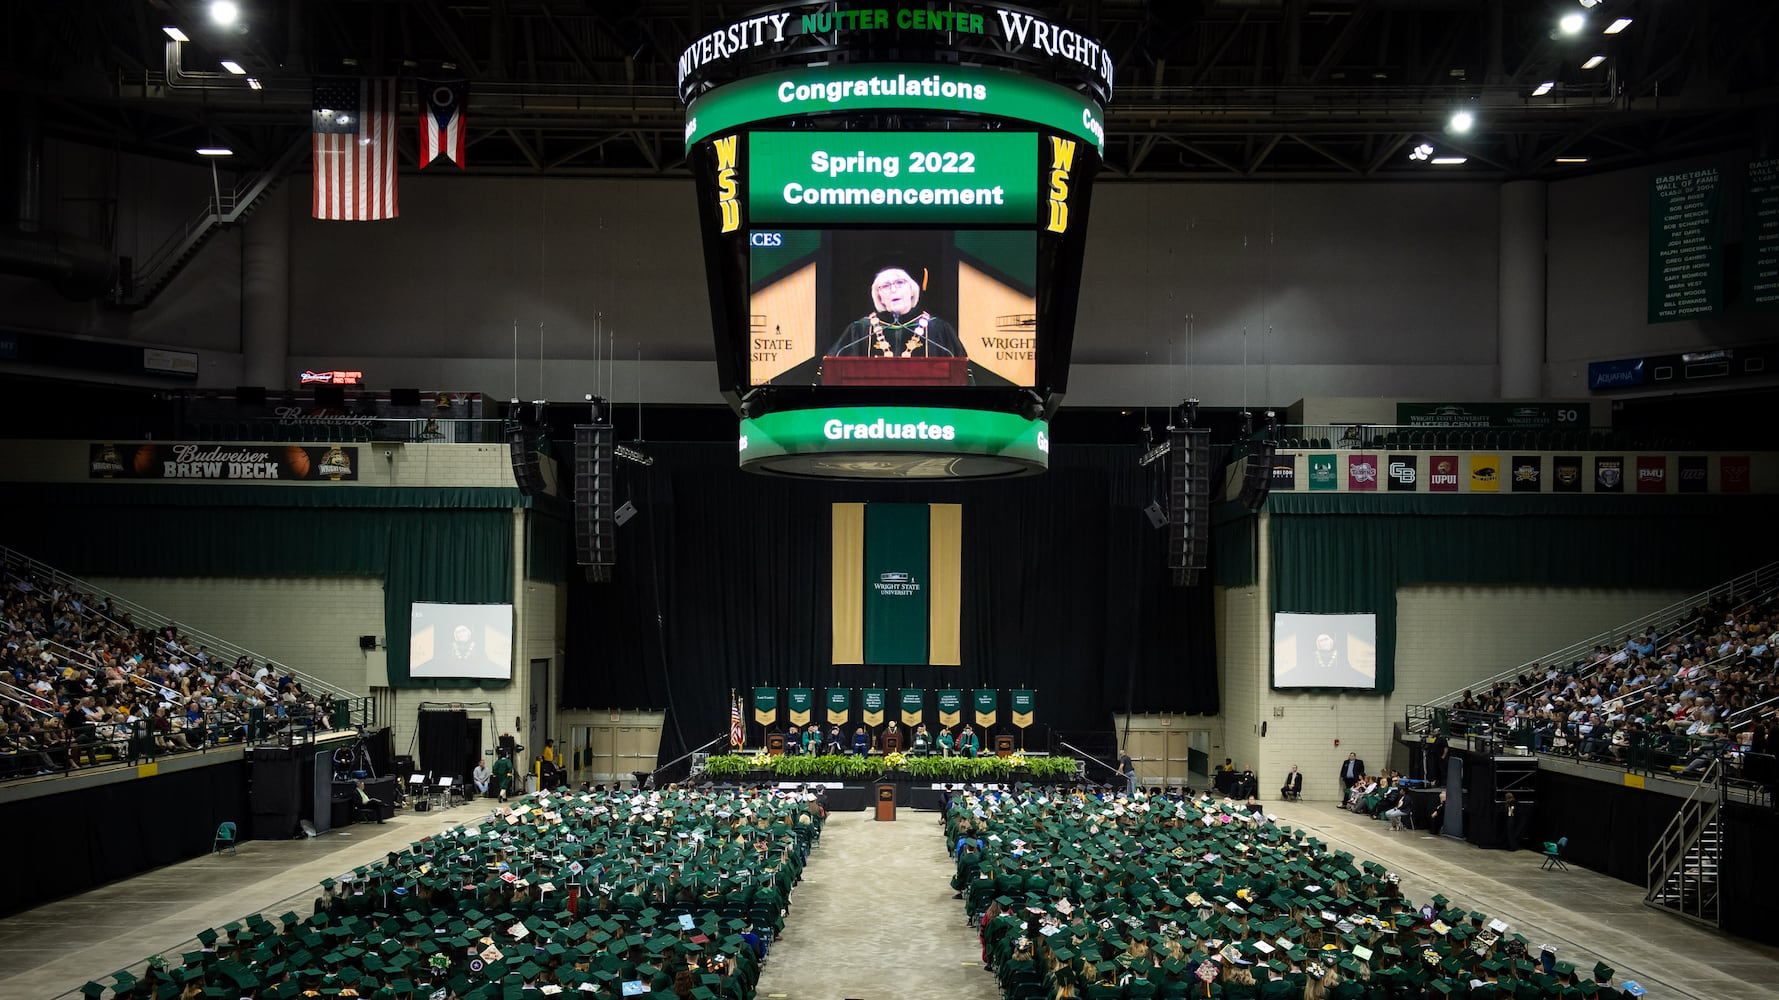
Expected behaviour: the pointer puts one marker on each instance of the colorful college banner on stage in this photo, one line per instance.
(1022, 706)
(987, 701)
(765, 706)
(914, 706)
(871, 703)
(896, 583)
(951, 707)
(839, 705)
(800, 702)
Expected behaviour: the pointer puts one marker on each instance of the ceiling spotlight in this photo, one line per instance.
(1571, 24)
(1422, 152)
(1449, 161)
(174, 33)
(233, 67)
(1617, 26)
(254, 84)
(1460, 122)
(1544, 88)
(224, 12)
(1572, 159)
(215, 151)
(1593, 61)
(1590, 3)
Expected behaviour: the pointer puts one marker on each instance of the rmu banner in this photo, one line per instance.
(799, 702)
(766, 705)
(914, 706)
(987, 701)
(1022, 705)
(896, 583)
(839, 705)
(951, 708)
(272, 463)
(871, 706)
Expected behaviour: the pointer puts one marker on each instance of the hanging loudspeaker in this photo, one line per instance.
(525, 468)
(595, 522)
(1189, 502)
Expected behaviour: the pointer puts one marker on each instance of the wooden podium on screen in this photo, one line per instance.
(902, 372)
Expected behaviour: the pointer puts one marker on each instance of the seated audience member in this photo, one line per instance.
(1293, 787)
(480, 775)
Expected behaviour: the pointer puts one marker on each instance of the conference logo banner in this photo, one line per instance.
(839, 705)
(1405, 473)
(871, 702)
(1284, 472)
(897, 587)
(1652, 474)
(222, 462)
(1322, 474)
(1442, 473)
(1694, 473)
(1023, 704)
(1609, 474)
(1485, 473)
(766, 705)
(800, 702)
(1527, 473)
(1732, 474)
(951, 708)
(1565, 474)
(1361, 472)
(987, 702)
(914, 706)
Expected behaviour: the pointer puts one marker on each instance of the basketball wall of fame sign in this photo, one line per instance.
(1609, 474)
(233, 462)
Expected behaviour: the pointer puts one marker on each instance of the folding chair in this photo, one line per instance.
(1553, 855)
(225, 838)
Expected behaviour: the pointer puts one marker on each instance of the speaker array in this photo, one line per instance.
(1189, 502)
(595, 529)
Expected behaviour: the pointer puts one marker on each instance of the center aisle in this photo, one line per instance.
(873, 919)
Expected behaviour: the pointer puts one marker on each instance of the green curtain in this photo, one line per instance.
(451, 557)
(1336, 565)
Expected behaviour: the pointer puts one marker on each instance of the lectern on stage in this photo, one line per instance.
(900, 372)
(892, 740)
(886, 803)
(775, 744)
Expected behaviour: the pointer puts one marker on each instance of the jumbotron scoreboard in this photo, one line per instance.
(894, 208)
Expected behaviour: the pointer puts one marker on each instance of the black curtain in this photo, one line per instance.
(723, 582)
(1753, 866)
(107, 832)
(444, 744)
(1610, 826)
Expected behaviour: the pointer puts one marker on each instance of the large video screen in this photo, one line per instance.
(892, 307)
(461, 640)
(1324, 651)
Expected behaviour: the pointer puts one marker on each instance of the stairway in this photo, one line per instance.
(1684, 865)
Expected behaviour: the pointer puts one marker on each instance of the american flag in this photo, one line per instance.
(737, 728)
(354, 147)
(443, 120)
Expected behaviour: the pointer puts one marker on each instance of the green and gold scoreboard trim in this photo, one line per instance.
(895, 442)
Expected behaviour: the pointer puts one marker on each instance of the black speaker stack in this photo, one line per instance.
(525, 467)
(1257, 474)
(1188, 502)
(595, 530)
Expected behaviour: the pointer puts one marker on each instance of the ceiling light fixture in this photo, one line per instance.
(1544, 88)
(1571, 24)
(1460, 122)
(1422, 152)
(233, 67)
(1590, 3)
(254, 84)
(1617, 26)
(224, 12)
(1572, 159)
(1593, 61)
(174, 33)
(215, 151)
(1449, 161)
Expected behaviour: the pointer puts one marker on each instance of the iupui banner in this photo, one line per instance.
(1022, 706)
(951, 708)
(799, 703)
(839, 705)
(292, 463)
(987, 703)
(871, 703)
(766, 705)
(914, 706)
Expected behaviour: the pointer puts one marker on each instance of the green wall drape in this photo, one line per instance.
(456, 557)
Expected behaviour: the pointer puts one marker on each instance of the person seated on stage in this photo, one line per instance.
(861, 742)
(967, 744)
(946, 743)
(923, 741)
(1293, 789)
(481, 776)
(363, 800)
(812, 739)
(836, 744)
(793, 740)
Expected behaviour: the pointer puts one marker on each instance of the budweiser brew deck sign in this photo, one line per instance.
(292, 463)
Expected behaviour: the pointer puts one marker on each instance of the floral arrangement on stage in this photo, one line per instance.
(837, 767)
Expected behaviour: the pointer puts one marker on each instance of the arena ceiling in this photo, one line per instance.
(1207, 89)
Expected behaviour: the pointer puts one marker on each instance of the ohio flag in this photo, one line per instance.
(442, 124)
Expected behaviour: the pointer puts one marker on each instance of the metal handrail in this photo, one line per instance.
(1768, 573)
(146, 618)
(1682, 834)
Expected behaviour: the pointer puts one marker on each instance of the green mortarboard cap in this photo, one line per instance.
(1443, 987)
(207, 936)
(93, 990)
(1565, 969)
(1602, 971)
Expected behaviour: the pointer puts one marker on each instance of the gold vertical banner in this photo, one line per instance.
(945, 540)
(849, 583)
